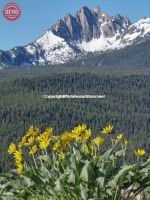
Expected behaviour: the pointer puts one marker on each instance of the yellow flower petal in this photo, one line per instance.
(99, 141)
(20, 168)
(56, 146)
(12, 148)
(18, 156)
(107, 130)
(66, 138)
(33, 150)
(23, 141)
(119, 136)
(33, 131)
(140, 152)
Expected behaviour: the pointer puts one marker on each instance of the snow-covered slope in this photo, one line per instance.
(51, 49)
(137, 31)
(87, 31)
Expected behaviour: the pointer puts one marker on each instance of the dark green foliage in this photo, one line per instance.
(126, 105)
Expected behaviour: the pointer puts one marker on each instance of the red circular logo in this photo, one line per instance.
(11, 11)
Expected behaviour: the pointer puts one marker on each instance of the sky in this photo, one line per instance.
(38, 15)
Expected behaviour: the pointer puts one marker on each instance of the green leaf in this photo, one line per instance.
(106, 155)
(84, 173)
(120, 153)
(100, 181)
(112, 184)
(109, 192)
(73, 162)
(71, 178)
(84, 192)
(122, 172)
(58, 186)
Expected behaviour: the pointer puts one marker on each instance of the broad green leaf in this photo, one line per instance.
(84, 192)
(122, 172)
(112, 183)
(84, 173)
(109, 192)
(120, 153)
(100, 181)
(71, 178)
(58, 186)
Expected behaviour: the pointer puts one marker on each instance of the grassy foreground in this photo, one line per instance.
(75, 165)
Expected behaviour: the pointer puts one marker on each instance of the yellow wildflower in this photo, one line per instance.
(44, 140)
(12, 148)
(20, 167)
(30, 141)
(18, 160)
(43, 144)
(76, 132)
(140, 152)
(49, 131)
(33, 131)
(80, 128)
(23, 141)
(119, 136)
(107, 130)
(81, 133)
(56, 146)
(99, 141)
(66, 138)
(43, 136)
(86, 135)
(33, 150)
(18, 155)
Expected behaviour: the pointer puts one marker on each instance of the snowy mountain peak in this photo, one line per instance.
(90, 30)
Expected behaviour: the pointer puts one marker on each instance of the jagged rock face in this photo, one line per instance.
(97, 11)
(107, 26)
(73, 27)
(120, 23)
(84, 26)
(89, 24)
(90, 30)
(61, 29)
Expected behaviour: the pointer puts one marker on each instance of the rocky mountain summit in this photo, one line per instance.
(90, 30)
(90, 24)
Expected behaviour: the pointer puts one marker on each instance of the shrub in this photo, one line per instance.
(75, 166)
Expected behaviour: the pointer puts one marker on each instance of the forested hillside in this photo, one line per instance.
(126, 105)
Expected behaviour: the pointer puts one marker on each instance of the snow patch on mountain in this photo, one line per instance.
(142, 25)
(49, 40)
(55, 49)
(101, 44)
(30, 49)
(139, 29)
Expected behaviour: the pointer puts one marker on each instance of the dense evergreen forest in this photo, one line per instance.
(126, 105)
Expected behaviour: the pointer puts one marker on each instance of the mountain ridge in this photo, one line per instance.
(90, 30)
